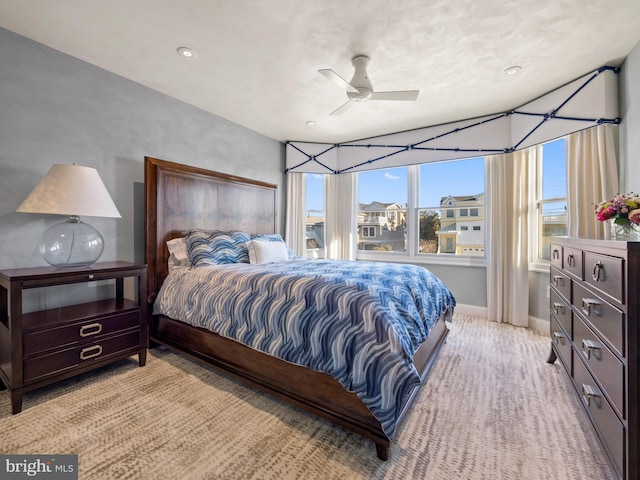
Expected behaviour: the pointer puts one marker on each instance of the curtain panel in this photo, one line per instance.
(295, 224)
(341, 228)
(592, 177)
(507, 236)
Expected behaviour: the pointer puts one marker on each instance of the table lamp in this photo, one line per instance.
(75, 191)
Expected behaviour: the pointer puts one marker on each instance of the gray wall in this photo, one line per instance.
(58, 109)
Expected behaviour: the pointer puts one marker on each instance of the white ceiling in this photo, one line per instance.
(257, 60)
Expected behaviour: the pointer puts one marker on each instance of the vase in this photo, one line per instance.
(626, 232)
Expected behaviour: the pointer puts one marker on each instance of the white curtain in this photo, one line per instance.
(340, 200)
(507, 223)
(592, 177)
(295, 226)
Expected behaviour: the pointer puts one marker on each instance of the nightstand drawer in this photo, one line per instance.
(86, 331)
(605, 273)
(606, 319)
(608, 370)
(608, 426)
(56, 363)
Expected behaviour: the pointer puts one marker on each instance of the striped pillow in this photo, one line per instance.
(216, 247)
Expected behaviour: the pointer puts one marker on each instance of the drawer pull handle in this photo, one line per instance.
(598, 271)
(571, 261)
(589, 392)
(558, 280)
(587, 346)
(91, 352)
(558, 337)
(91, 329)
(555, 254)
(587, 303)
(557, 307)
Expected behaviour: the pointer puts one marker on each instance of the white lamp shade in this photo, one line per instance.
(71, 190)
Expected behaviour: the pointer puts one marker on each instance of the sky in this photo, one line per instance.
(440, 179)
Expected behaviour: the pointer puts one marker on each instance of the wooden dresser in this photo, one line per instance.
(595, 290)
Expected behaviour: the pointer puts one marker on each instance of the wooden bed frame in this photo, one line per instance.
(179, 197)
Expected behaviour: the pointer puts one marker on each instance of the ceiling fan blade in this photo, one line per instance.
(401, 95)
(337, 79)
(342, 108)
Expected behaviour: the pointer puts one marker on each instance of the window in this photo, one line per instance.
(551, 198)
(457, 185)
(382, 203)
(315, 216)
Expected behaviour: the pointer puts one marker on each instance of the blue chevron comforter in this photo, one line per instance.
(360, 322)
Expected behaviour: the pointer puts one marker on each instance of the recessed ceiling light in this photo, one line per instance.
(311, 123)
(512, 70)
(187, 52)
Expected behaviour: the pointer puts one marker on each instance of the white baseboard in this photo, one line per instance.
(538, 324)
(472, 310)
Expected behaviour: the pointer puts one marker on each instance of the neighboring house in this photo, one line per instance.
(462, 225)
(381, 226)
(315, 234)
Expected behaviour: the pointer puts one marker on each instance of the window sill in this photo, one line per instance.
(440, 259)
(539, 267)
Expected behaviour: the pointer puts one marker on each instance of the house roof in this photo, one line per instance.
(257, 62)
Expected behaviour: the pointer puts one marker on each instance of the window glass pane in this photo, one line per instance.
(552, 215)
(459, 186)
(554, 169)
(382, 210)
(315, 216)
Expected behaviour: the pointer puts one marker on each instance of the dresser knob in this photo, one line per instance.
(90, 276)
(587, 346)
(588, 393)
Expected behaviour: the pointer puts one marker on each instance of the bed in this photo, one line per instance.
(180, 198)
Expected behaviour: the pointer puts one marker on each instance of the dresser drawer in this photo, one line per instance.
(572, 261)
(556, 255)
(562, 283)
(606, 319)
(57, 362)
(87, 331)
(562, 311)
(605, 273)
(608, 370)
(609, 428)
(561, 344)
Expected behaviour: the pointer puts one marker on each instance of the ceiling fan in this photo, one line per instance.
(359, 89)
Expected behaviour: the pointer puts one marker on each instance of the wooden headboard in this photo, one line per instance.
(179, 197)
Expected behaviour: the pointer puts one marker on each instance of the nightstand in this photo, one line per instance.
(42, 347)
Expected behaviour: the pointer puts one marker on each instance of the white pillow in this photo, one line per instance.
(267, 252)
(178, 254)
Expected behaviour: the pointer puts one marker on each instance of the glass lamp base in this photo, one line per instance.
(71, 244)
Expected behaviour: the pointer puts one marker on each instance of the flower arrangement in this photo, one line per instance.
(622, 209)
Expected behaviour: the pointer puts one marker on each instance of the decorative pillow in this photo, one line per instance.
(265, 251)
(178, 254)
(275, 237)
(206, 247)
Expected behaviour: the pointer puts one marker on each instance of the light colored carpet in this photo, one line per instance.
(492, 409)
